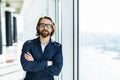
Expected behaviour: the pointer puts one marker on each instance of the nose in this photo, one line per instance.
(45, 27)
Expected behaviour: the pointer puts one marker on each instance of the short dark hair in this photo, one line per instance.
(53, 25)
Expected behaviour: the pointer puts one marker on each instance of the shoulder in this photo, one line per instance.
(30, 41)
(55, 43)
(27, 43)
(57, 46)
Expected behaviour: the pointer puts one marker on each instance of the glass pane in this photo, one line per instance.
(99, 40)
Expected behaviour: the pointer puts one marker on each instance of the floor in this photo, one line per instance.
(10, 67)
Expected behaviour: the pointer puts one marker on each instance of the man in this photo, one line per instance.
(41, 57)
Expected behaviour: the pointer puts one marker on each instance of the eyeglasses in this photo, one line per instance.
(43, 25)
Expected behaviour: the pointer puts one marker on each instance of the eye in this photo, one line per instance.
(42, 24)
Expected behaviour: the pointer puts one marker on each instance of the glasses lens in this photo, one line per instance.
(45, 25)
(48, 26)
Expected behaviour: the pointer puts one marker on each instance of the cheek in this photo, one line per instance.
(51, 30)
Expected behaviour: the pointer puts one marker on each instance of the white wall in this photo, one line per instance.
(36, 9)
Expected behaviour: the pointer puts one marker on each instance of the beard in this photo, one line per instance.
(45, 33)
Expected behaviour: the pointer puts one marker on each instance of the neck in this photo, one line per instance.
(44, 40)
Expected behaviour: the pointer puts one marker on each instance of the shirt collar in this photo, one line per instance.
(38, 40)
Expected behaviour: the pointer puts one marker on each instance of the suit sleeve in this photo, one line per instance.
(31, 66)
(57, 62)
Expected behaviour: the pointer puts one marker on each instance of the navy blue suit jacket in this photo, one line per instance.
(38, 69)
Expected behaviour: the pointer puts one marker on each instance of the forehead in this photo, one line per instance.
(45, 21)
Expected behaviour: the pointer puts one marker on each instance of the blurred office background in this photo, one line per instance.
(18, 23)
(88, 30)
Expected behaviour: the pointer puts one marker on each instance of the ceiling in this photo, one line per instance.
(14, 5)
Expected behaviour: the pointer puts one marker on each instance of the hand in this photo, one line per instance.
(50, 63)
(28, 57)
